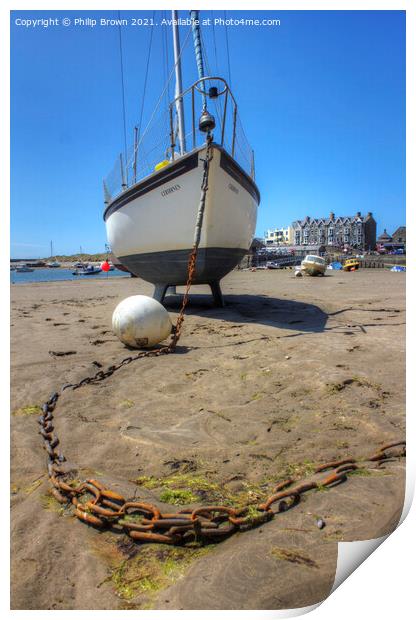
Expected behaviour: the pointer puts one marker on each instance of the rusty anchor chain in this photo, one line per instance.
(102, 508)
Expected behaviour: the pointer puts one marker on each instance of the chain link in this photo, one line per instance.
(101, 507)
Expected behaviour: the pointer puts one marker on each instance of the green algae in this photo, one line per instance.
(131, 518)
(257, 396)
(48, 502)
(177, 497)
(187, 488)
(297, 470)
(28, 410)
(153, 568)
(183, 488)
(127, 403)
(361, 471)
(253, 513)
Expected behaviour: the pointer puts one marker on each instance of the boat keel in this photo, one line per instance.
(217, 294)
(161, 290)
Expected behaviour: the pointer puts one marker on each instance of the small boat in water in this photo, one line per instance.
(313, 265)
(87, 270)
(24, 269)
(53, 264)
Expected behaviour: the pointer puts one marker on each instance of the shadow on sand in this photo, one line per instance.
(257, 309)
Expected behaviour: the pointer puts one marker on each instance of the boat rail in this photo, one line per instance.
(159, 141)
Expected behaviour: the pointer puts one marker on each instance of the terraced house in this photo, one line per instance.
(351, 231)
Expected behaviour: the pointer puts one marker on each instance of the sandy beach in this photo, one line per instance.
(293, 372)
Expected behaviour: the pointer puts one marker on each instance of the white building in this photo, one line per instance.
(279, 236)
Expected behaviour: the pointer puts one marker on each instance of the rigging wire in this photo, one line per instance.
(165, 87)
(166, 55)
(217, 102)
(215, 42)
(145, 78)
(228, 49)
(123, 99)
(214, 38)
(244, 150)
(165, 51)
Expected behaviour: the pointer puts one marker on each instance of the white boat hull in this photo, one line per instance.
(151, 226)
(313, 268)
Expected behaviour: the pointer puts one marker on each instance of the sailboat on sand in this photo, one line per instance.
(150, 217)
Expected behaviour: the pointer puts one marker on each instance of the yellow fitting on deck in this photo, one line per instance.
(161, 165)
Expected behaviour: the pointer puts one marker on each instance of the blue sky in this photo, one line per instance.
(322, 99)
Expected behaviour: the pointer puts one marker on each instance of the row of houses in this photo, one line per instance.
(396, 241)
(347, 231)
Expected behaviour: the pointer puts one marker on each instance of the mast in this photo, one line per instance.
(136, 146)
(196, 34)
(206, 120)
(178, 87)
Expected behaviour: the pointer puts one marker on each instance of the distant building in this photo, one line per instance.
(278, 236)
(399, 237)
(351, 231)
(384, 238)
(396, 241)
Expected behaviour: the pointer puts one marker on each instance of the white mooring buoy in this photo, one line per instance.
(140, 321)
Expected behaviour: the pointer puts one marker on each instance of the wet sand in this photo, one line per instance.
(291, 373)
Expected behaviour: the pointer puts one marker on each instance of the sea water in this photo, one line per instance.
(54, 275)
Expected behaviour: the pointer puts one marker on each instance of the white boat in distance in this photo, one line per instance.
(24, 269)
(313, 265)
(87, 270)
(53, 264)
(150, 221)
